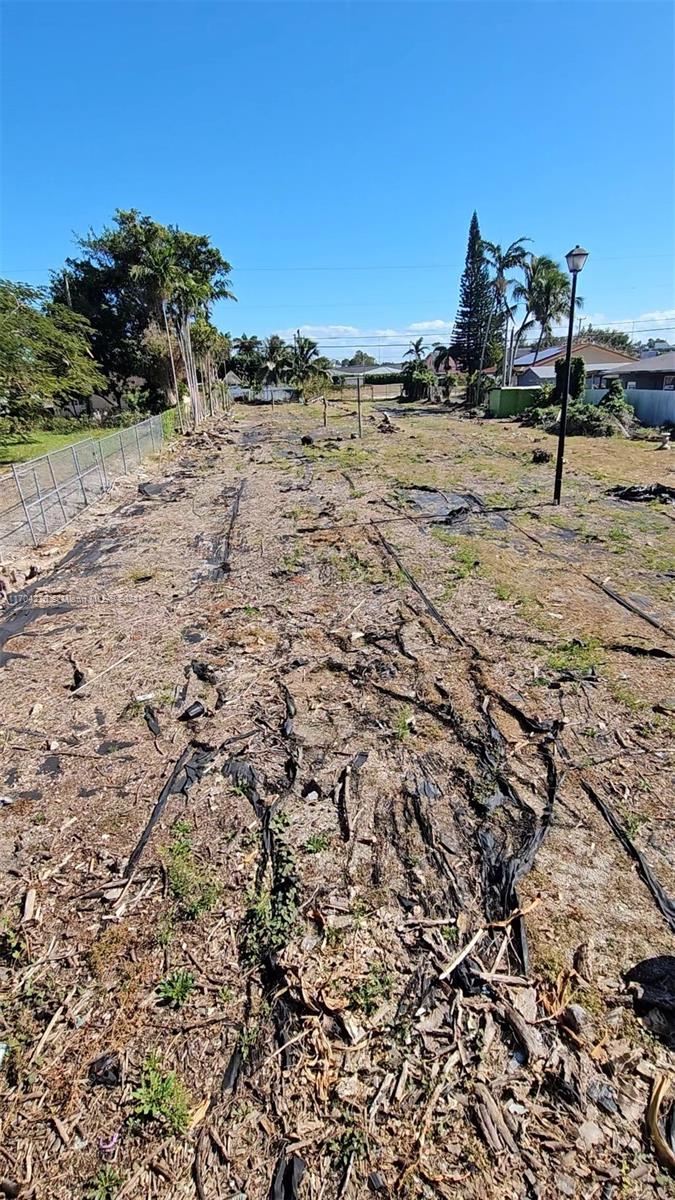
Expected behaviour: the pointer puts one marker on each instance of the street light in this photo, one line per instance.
(576, 260)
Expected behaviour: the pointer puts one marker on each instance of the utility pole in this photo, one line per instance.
(67, 283)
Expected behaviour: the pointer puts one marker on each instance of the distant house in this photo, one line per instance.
(529, 373)
(364, 373)
(232, 379)
(647, 374)
(447, 366)
(659, 346)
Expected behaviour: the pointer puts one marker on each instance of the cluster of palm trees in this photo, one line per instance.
(540, 297)
(273, 362)
(182, 303)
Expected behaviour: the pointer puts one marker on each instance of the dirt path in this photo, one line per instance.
(391, 919)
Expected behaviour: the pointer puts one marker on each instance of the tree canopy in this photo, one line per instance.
(613, 338)
(128, 279)
(359, 359)
(45, 354)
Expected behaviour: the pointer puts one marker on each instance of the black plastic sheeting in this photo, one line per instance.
(192, 764)
(663, 901)
(643, 491)
(288, 1174)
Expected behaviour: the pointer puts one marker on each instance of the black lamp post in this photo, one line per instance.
(575, 263)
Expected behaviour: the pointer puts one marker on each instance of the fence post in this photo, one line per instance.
(38, 493)
(77, 472)
(56, 489)
(124, 457)
(102, 471)
(138, 442)
(358, 404)
(24, 505)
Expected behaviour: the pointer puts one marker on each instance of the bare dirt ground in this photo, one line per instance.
(399, 861)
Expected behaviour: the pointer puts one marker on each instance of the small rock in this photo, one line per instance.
(602, 1095)
(590, 1134)
(376, 1181)
(566, 1186)
(579, 1020)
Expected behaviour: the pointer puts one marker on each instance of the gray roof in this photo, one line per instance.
(662, 362)
(547, 370)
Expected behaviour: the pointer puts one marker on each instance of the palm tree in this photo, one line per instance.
(249, 356)
(501, 261)
(304, 354)
(547, 294)
(159, 271)
(527, 291)
(417, 350)
(443, 357)
(277, 360)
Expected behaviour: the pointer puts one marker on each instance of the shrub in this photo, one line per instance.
(590, 420)
(60, 424)
(418, 381)
(577, 378)
(614, 402)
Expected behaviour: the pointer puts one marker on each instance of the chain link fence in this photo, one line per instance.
(40, 496)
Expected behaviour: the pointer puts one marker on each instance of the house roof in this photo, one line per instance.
(525, 360)
(553, 352)
(662, 362)
(547, 370)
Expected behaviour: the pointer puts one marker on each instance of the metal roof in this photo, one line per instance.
(662, 362)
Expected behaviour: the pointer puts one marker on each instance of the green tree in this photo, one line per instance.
(612, 338)
(248, 361)
(577, 379)
(475, 305)
(305, 353)
(510, 259)
(550, 300)
(417, 350)
(131, 276)
(417, 380)
(359, 359)
(45, 354)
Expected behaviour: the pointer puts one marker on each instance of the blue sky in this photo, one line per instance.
(335, 151)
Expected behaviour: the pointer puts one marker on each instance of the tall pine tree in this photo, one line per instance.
(475, 302)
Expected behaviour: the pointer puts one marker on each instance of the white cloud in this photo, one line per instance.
(436, 326)
(390, 343)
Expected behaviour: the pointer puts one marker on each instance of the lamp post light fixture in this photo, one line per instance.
(576, 260)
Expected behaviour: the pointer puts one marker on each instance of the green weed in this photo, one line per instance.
(375, 988)
(161, 1097)
(192, 887)
(13, 947)
(580, 654)
(105, 1185)
(176, 988)
(316, 843)
(402, 723)
(351, 1144)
